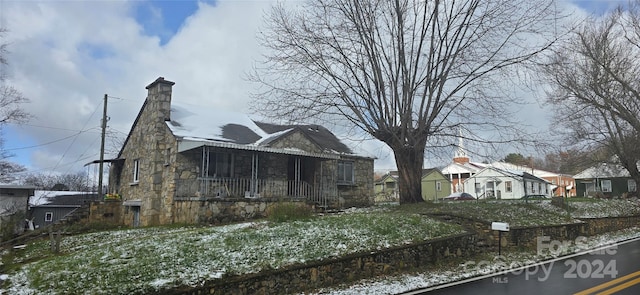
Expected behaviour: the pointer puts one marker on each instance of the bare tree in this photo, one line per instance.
(10, 98)
(408, 73)
(70, 181)
(595, 80)
(11, 110)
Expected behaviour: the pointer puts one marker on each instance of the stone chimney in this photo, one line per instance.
(159, 97)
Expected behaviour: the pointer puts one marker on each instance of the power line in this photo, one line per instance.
(45, 127)
(75, 138)
(48, 143)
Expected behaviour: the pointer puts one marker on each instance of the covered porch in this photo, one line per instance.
(226, 170)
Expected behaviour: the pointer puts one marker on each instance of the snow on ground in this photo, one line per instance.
(147, 259)
(508, 262)
(153, 258)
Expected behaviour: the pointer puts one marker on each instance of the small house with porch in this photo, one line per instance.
(183, 163)
(605, 180)
(494, 183)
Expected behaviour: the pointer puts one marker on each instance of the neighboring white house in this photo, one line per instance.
(492, 182)
(562, 185)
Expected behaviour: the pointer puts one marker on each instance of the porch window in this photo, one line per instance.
(136, 170)
(48, 216)
(605, 185)
(219, 165)
(345, 172)
(508, 186)
(631, 185)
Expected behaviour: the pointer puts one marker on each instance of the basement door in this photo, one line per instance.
(136, 215)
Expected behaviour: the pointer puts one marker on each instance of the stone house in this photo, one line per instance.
(180, 160)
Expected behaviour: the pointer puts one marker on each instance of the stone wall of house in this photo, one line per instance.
(151, 143)
(106, 212)
(297, 140)
(307, 277)
(194, 210)
(360, 194)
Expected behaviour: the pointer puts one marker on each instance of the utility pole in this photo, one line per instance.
(104, 129)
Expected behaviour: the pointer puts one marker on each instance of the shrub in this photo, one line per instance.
(282, 212)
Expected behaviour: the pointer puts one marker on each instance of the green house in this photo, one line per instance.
(434, 186)
(386, 188)
(606, 180)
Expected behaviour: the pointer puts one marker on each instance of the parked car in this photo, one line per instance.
(459, 197)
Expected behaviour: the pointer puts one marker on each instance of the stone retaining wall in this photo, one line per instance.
(608, 224)
(301, 278)
(528, 236)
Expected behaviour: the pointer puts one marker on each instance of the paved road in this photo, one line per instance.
(607, 271)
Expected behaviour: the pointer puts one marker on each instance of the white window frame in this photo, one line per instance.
(48, 216)
(605, 185)
(342, 175)
(508, 186)
(136, 170)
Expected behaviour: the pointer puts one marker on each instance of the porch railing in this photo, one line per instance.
(254, 188)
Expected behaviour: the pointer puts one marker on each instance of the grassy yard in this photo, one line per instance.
(138, 260)
(145, 259)
(520, 213)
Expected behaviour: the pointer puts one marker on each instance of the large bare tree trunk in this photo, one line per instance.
(409, 162)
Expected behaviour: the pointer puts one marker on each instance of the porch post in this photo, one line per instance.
(254, 175)
(296, 185)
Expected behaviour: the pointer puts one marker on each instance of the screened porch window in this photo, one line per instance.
(219, 165)
(345, 172)
(605, 185)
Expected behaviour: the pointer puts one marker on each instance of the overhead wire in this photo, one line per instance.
(75, 138)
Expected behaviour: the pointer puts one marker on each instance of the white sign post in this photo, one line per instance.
(500, 227)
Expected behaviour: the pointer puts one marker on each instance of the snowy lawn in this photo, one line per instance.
(520, 213)
(596, 208)
(135, 260)
(515, 212)
(482, 265)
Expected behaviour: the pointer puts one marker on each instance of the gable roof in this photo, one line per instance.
(61, 198)
(603, 170)
(518, 175)
(195, 127)
(455, 168)
(514, 167)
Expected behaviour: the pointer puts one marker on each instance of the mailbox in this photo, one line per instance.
(500, 226)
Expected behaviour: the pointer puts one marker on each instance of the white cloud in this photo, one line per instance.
(66, 55)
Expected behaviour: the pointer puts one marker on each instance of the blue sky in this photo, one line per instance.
(65, 55)
(164, 18)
